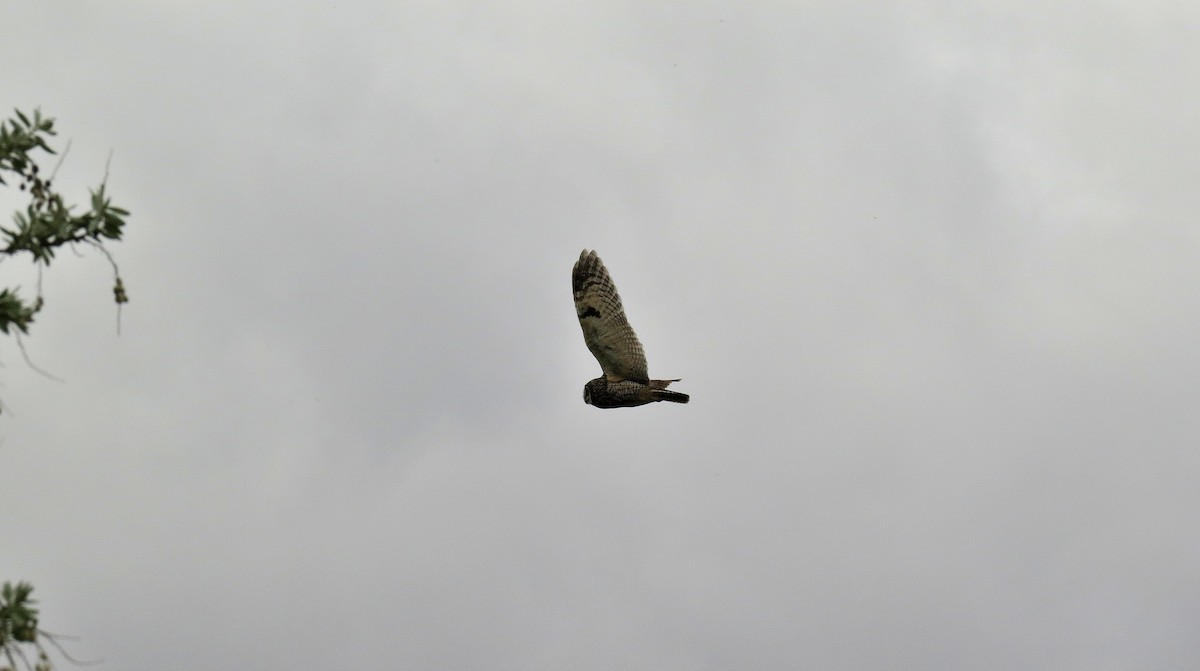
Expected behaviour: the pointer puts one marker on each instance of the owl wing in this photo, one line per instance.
(605, 330)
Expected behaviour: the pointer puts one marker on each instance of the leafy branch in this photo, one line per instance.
(20, 638)
(47, 222)
(45, 225)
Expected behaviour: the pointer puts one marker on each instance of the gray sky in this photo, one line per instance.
(927, 269)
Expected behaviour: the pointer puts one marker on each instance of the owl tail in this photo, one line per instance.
(658, 391)
(672, 396)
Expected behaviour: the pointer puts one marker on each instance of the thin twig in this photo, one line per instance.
(53, 638)
(61, 158)
(64, 637)
(107, 162)
(116, 272)
(97, 244)
(21, 345)
(21, 654)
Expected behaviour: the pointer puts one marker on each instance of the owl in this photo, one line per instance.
(625, 382)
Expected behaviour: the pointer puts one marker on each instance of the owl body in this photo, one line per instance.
(610, 338)
(627, 393)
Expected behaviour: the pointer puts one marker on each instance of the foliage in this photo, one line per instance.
(19, 629)
(47, 223)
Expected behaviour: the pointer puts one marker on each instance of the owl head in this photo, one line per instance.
(595, 389)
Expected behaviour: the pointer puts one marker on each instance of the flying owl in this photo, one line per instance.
(625, 382)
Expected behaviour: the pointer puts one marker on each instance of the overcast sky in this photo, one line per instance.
(927, 269)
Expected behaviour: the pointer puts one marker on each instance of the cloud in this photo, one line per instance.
(924, 271)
